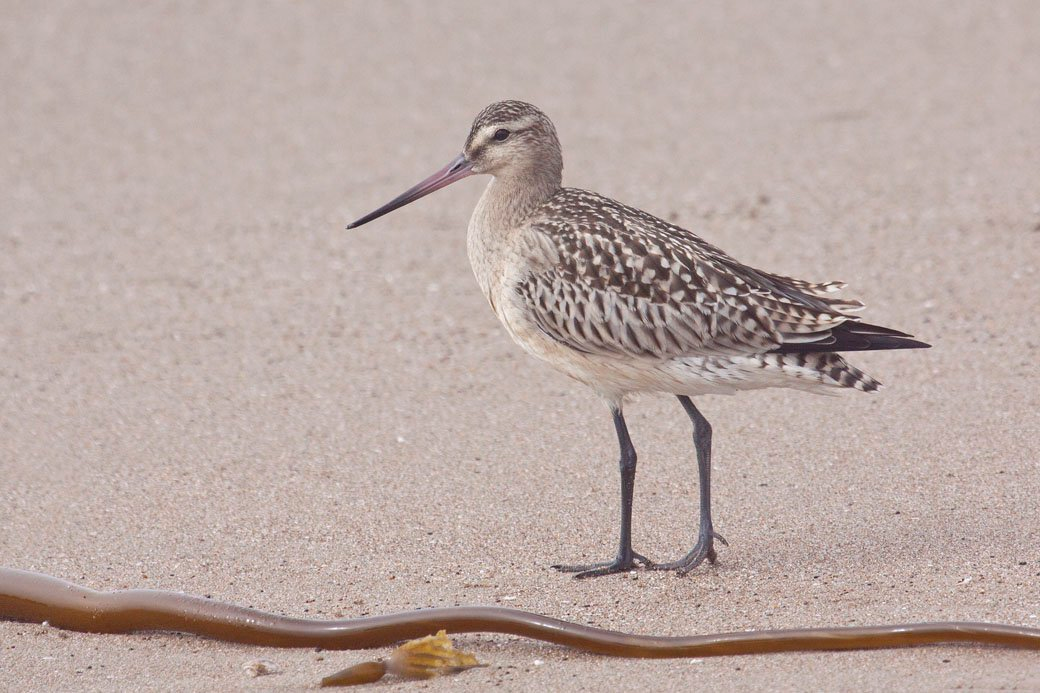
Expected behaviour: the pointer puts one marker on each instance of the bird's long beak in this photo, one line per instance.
(458, 169)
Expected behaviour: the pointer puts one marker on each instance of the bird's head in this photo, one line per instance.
(508, 139)
(513, 138)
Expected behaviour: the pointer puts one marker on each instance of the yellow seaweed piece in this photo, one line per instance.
(425, 658)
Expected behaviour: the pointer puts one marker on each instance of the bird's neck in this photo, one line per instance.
(497, 222)
(510, 199)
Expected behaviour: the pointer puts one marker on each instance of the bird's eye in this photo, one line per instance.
(501, 134)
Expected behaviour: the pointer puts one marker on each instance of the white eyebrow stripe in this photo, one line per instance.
(513, 125)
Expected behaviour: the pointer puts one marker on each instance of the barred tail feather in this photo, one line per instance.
(840, 372)
(824, 368)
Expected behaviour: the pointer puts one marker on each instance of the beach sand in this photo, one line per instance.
(208, 385)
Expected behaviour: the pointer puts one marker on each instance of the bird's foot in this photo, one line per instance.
(621, 564)
(703, 550)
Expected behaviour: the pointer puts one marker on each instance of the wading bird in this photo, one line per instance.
(625, 302)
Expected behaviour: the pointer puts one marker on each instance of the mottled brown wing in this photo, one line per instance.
(624, 282)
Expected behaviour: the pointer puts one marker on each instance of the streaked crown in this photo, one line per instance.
(514, 138)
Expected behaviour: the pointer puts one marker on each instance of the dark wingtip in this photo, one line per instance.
(865, 328)
(888, 343)
(880, 338)
(856, 336)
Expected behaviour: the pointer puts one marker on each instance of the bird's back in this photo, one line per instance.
(622, 283)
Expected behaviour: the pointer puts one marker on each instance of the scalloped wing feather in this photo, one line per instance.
(625, 282)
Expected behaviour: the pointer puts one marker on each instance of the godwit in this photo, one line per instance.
(626, 302)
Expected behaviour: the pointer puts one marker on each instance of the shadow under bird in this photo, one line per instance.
(626, 302)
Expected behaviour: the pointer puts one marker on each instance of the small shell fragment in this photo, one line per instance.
(260, 667)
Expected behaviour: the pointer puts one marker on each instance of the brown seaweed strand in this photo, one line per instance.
(34, 597)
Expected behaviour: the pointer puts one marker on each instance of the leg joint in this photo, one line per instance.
(701, 428)
(628, 458)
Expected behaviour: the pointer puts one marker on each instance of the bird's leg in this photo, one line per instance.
(626, 558)
(705, 546)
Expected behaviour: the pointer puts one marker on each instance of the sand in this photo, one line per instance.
(208, 385)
